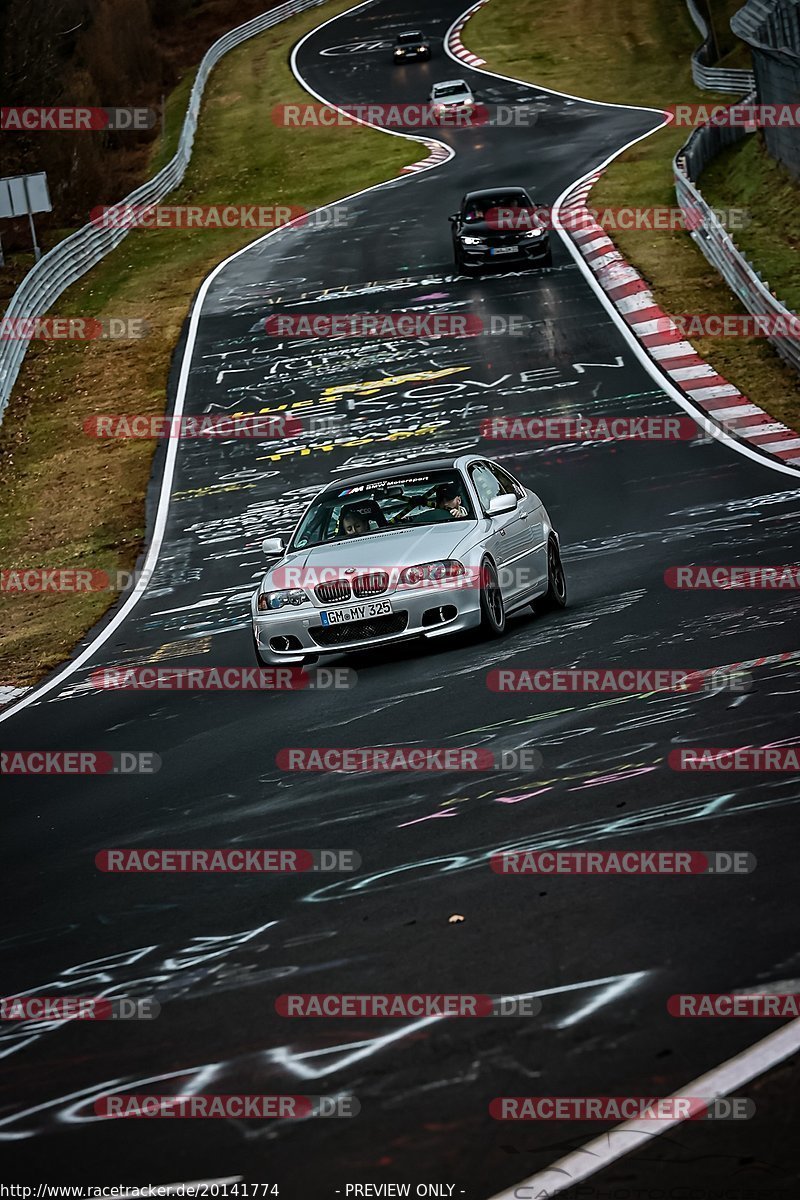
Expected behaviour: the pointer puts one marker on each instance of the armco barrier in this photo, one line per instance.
(82, 250)
(771, 28)
(716, 244)
(714, 79)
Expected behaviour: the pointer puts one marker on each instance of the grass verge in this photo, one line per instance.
(640, 54)
(68, 500)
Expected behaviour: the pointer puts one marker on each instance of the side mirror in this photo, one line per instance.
(502, 504)
(272, 546)
(453, 218)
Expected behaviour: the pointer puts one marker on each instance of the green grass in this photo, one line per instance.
(640, 54)
(69, 500)
(745, 176)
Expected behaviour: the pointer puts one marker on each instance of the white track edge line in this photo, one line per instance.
(597, 1154)
(37, 692)
(644, 358)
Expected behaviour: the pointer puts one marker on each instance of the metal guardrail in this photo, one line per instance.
(714, 79)
(82, 250)
(771, 28)
(716, 243)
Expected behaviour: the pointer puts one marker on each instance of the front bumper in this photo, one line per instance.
(407, 54)
(458, 609)
(530, 251)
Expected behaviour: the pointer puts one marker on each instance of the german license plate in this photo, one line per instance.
(503, 249)
(359, 612)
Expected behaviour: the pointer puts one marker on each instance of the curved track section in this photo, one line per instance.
(215, 951)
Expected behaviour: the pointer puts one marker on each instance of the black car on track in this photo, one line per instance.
(411, 45)
(500, 226)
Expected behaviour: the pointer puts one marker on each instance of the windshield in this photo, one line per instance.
(398, 503)
(450, 89)
(477, 209)
(409, 39)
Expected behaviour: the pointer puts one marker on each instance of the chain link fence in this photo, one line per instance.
(771, 28)
(82, 250)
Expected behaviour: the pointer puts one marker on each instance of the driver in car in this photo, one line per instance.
(449, 498)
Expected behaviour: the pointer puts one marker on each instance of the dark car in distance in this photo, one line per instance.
(500, 226)
(411, 45)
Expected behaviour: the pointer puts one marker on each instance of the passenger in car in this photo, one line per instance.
(352, 523)
(449, 498)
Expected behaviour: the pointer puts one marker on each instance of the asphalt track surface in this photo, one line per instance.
(603, 953)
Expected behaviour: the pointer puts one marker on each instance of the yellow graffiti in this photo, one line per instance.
(396, 436)
(371, 386)
(212, 490)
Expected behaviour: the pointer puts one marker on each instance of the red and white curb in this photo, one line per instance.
(9, 693)
(453, 39)
(437, 153)
(720, 401)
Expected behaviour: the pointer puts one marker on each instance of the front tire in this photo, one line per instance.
(493, 609)
(556, 595)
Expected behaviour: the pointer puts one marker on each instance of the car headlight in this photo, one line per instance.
(534, 233)
(272, 601)
(421, 49)
(472, 241)
(441, 571)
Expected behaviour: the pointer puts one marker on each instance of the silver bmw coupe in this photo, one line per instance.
(414, 551)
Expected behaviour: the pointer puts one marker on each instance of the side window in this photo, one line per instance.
(487, 485)
(507, 484)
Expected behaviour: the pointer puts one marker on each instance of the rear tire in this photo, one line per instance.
(493, 609)
(556, 595)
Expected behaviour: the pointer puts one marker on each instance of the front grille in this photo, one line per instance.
(333, 593)
(373, 584)
(503, 239)
(359, 631)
